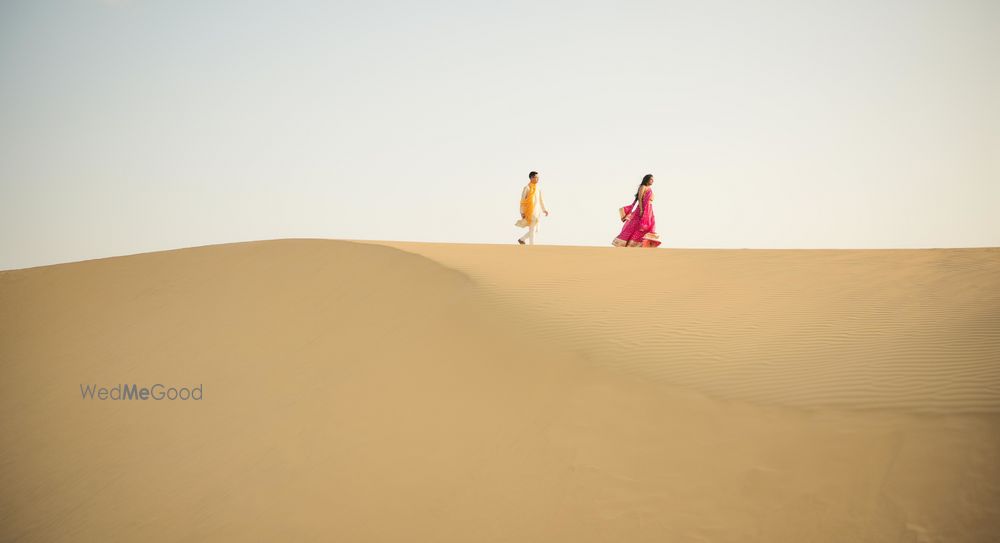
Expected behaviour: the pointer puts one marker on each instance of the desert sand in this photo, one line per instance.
(389, 391)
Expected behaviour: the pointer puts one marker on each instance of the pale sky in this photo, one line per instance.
(134, 126)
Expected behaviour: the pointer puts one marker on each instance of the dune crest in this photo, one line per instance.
(853, 329)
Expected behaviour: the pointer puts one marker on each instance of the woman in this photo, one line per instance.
(640, 223)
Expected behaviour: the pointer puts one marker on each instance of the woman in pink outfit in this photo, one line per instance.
(639, 229)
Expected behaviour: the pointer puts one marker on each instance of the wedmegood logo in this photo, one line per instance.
(135, 392)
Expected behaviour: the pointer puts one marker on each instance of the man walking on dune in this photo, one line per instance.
(531, 203)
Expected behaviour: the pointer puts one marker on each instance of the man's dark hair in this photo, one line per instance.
(532, 174)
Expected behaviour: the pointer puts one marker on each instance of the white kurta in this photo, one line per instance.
(539, 206)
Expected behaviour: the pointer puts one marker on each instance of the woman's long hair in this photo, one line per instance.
(645, 182)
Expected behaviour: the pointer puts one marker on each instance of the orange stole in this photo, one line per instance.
(528, 203)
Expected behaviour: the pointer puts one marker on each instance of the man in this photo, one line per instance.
(531, 202)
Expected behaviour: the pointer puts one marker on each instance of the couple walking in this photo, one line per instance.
(639, 229)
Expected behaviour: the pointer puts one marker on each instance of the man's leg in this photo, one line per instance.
(528, 236)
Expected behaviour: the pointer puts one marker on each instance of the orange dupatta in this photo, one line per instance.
(528, 203)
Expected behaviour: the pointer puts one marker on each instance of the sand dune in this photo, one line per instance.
(913, 329)
(360, 392)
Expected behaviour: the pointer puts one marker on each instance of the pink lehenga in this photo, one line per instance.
(638, 231)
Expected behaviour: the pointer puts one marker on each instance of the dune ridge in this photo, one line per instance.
(357, 392)
(915, 329)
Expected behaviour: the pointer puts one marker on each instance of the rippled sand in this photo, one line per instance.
(912, 329)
